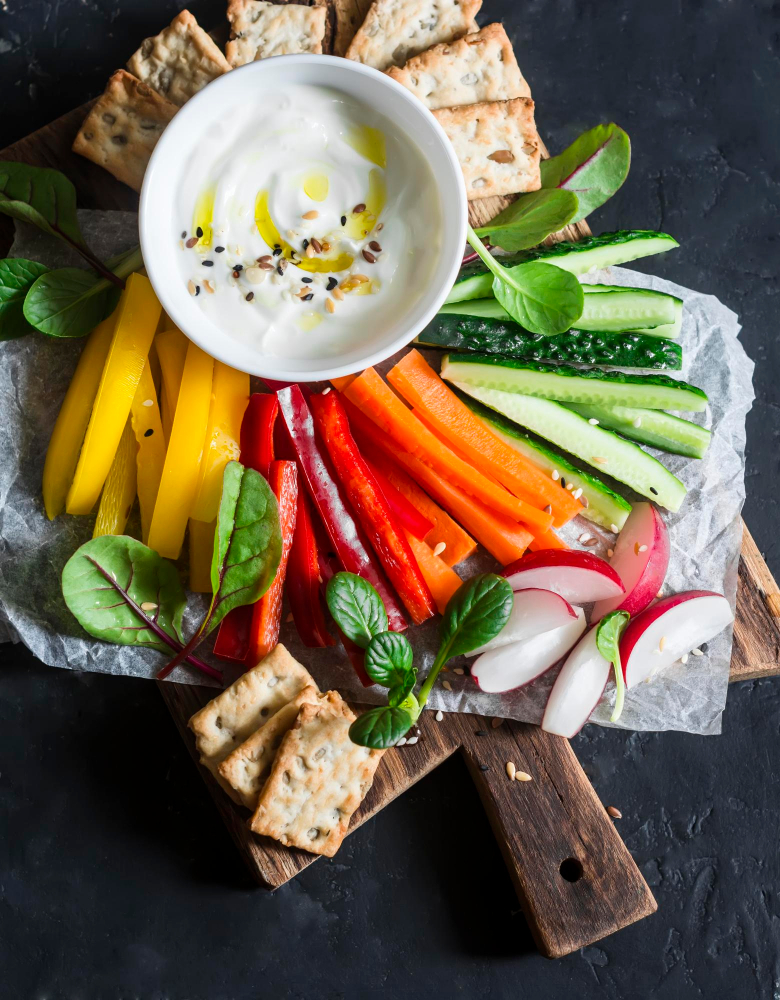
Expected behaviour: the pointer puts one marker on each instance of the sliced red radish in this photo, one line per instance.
(641, 559)
(577, 688)
(533, 611)
(513, 666)
(580, 577)
(669, 629)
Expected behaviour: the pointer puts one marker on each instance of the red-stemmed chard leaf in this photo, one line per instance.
(593, 167)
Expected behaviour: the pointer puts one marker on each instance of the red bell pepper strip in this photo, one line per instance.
(405, 513)
(267, 612)
(233, 635)
(344, 530)
(368, 500)
(303, 580)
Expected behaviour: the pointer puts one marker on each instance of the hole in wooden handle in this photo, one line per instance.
(571, 869)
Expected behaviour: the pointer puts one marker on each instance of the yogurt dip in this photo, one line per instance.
(306, 222)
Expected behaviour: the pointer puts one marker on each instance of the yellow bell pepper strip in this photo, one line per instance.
(62, 455)
(137, 315)
(229, 398)
(118, 495)
(147, 427)
(171, 347)
(185, 450)
(201, 550)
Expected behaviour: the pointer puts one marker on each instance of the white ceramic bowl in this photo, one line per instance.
(177, 150)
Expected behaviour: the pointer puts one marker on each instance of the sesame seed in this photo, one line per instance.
(480, 732)
(332, 282)
(458, 670)
(401, 742)
(313, 214)
(556, 475)
(337, 293)
(684, 658)
(219, 249)
(446, 685)
(697, 652)
(599, 460)
(439, 715)
(563, 482)
(380, 227)
(584, 501)
(411, 740)
(636, 548)
(343, 220)
(610, 553)
(643, 548)
(593, 422)
(148, 432)
(329, 305)
(310, 250)
(277, 251)
(614, 529)
(523, 776)
(148, 606)
(584, 539)
(570, 486)
(360, 279)
(654, 491)
(439, 548)
(191, 288)
(148, 402)
(660, 593)
(280, 270)
(306, 281)
(704, 647)
(484, 767)
(548, 509)
(307, 298)
(207, 263)
(199, 232)
(614, 812)
(496, 723)
(250, 296)
(577, 493)
(637, 422)
(184, 234)
(511, 770)
(661, 643)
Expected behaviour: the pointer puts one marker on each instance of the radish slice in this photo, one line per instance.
(533, 611)
(513, 666)
(580, 577)
(577, 689)
(641, 559)
(669, 629)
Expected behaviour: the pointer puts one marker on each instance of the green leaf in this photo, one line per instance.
(122, 591)
(593, 167)
(476, 613)
(388, 659)
(409, 705)
(399, 693)
(16, 277)
(380, 728)
(357, 608)
(531, 219)
(70, 302)
(540, 297)
(247, 543)
(608, 633)
(43, 197)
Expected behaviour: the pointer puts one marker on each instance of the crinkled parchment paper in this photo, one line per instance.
(705, 534)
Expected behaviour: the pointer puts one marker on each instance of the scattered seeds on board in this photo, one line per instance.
(439, 548)
(496, 723)
(458, 670)
(411, 740)
(584, 539)
(439, 715)
(577, 493)
(614, 812)
(401, 742)
(148, 606)
(614, 529)
(484, 767)
(523, 776)
(446, 685)
(684, 658)
(697, 652)
(511, 770)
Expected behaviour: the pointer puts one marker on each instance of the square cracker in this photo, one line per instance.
(395, 30)
(123, 127)
(260, 29)
(497, 145)
(476, 68)
(318, 780)
(248, 766)
(227, 720)
(179, 61)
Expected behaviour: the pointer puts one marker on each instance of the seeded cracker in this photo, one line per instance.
(123, 127)
(497, 145)
(319, 778)
(260, 29)
(395, 30)
(179, 61)
(247, 704)
(476, 68)
(248, 766)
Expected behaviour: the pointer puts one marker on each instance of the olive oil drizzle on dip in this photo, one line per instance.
(303, 220)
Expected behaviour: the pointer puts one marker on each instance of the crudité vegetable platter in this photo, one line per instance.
(502, 372)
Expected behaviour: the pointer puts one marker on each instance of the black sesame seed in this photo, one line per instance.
(484, 767)
(280, 270)
(199, 232)
(277, 251)
(197, 291)
(332, 282)
(343, 220)
(219, 249)
(305, 244)
(148, 433)
(184, 235)
(238, 267)
(654, 490)
(277, 245)
(250, 296)
(307, 298)
(563, 482)
(481, 732)
(704, 647)
(307, 281)
(207, 263)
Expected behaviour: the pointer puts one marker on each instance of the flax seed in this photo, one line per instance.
(191, 288)
(614, 812)
(368, 256)
(496, 723)
(337, 293)
(191, 242)
(313, 214)
(511, 770)
(317, 246)
(523, 776)
(439, 548)
(329, 305)
(360, 207)
(373, 245)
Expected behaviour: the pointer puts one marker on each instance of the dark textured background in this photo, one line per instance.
(116, 878)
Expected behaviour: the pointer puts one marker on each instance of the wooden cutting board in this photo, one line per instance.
(575, 879)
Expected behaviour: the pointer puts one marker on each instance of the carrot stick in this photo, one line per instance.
(420, 386)
(548, 540)
(378, 401)
(342, 382)
(500, 535)
(442, 581)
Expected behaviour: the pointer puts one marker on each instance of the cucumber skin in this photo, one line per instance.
(548, 254)
(594, 441)
(493, 336)
(692, 394)
(620, 419)
(605, 507)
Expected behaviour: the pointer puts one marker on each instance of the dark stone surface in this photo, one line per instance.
(118, 879)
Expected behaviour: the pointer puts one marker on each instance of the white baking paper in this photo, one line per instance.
(705, 534)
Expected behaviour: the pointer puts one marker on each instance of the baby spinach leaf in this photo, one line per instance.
(608, 632)
(542, 298)
(16, 277)
(399, 693)
(121, 591)
(69, 302)
(593, 167)
(388, 659)
(43, 197)
(531, 219)
(357, 608)
(380, 728)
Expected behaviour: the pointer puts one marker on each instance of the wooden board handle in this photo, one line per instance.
(574, 876)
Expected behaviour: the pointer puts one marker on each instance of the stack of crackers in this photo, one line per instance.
(468, 77)
(281, 748)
